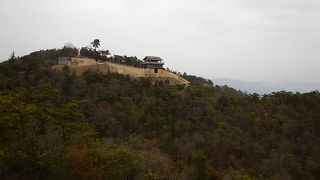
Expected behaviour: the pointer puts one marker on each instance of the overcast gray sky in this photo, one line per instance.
(252, 40)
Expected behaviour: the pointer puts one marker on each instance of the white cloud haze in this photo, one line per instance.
(255, 40)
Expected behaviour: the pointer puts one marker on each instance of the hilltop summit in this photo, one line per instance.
(152, 69)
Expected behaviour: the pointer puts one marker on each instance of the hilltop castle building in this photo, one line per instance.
(152, 62)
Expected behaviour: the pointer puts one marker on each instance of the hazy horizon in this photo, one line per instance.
(249, 40)
(264, 87)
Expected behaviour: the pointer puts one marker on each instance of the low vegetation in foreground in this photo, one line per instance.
(55, 125)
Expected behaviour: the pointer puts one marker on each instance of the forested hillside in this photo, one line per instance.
(56, 125)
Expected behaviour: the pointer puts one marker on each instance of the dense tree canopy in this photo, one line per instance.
(56, 125)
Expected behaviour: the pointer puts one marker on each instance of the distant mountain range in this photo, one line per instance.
(266, 87)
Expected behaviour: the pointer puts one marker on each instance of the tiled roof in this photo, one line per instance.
(152, 58)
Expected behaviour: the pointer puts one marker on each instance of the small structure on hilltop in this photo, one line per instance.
(152, 62)
(63, 60)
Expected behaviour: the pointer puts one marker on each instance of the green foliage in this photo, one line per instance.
(153, 176)
(122, 164)
(200, 162)
(241, 175)
(202, 169)
(108, 97)
(28, 119)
